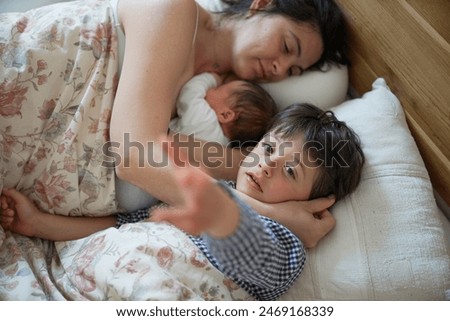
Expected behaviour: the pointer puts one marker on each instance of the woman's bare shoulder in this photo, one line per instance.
(129, 9)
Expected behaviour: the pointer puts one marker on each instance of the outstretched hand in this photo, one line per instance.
(204, 206)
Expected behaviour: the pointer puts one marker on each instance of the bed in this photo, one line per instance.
(392, 240)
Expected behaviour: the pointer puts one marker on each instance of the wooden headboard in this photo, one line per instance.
(407, 42)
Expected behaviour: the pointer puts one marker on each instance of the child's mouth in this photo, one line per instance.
(253, 182)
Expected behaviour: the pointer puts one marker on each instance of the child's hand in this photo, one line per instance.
(17, 212)
(309, 220)
(205, 206)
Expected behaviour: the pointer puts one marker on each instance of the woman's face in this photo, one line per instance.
(271, 48)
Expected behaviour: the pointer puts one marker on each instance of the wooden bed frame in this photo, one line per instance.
(407, 42)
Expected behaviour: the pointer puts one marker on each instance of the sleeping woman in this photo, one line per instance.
(66, 106)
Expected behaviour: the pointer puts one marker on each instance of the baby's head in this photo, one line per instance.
(251, 109)
(307, 153)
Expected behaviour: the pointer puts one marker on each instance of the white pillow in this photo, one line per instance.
(324, 89)
(389, 242)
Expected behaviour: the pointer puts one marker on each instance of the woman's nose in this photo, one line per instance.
(280, 68)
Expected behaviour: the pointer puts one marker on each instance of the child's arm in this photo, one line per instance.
(21, 216)
(205, 207)
(259, 252)
(311, 221)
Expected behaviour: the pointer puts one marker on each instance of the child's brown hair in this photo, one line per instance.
(334, 147)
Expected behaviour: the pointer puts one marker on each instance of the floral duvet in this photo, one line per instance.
(58, 75)
(142, 261)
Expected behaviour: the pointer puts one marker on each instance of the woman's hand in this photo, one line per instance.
(309, 220)
(18, 213)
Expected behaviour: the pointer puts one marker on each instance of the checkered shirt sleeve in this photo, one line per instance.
(133, 217)
(262, 256)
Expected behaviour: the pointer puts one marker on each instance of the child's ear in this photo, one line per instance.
(227, 116)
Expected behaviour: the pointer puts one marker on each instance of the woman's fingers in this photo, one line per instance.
(13, 196)
(7, 218)
(3, 202)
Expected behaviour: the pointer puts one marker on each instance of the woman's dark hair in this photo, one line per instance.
(322, 14)
(329, 143)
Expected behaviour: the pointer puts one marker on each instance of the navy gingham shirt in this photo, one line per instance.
(262, 256)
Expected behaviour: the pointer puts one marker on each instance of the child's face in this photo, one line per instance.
(276, 171)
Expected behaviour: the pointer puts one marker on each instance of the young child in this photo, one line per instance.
(295, 160)
(237, 111)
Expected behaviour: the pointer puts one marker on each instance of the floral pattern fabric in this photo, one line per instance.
(141, 261)
(58, 76)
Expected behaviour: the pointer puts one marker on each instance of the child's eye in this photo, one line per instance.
(268, 149)
(290, 171)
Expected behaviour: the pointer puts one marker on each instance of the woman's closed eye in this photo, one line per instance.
(287, 51)
(286, 47)
(294, 70)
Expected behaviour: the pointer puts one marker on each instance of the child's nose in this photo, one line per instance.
(266, 169)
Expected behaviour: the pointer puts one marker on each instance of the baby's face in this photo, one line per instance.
(277, 170)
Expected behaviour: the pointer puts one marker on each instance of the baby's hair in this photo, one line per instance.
(333, 145)
(255, 109)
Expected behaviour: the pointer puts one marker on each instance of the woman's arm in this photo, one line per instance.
(157, 52)
(213, 158)
(159, 59)
(20, 215)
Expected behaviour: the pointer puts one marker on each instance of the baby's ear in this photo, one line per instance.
(260, 4)
(227, 116)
